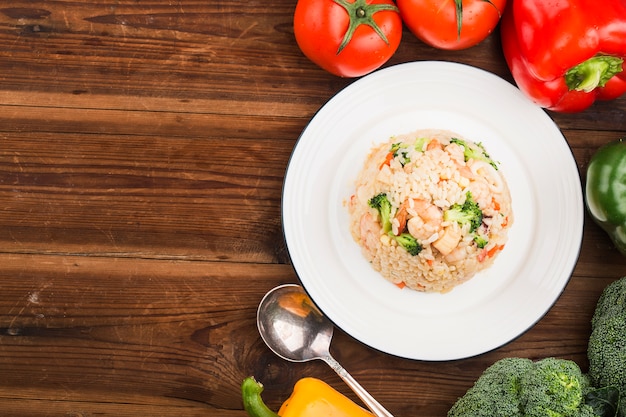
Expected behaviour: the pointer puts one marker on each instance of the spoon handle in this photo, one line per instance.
(373, 405)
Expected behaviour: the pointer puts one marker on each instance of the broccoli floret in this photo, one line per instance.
(612, 301)
(496, 393)
(381, 203)
(481, 241)
(468, 212)
(607, 343)
(474, 151)
(409, 243)
(553, 387)
(401, 153)
(585, 411)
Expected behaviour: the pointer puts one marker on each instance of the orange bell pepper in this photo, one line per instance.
(311, 397)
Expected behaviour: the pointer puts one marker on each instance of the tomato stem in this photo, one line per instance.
(458, 6)
(361, 13)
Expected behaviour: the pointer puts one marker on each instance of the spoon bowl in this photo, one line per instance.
(292, 326)
(296, 330)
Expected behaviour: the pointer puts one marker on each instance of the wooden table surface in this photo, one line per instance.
(143, 151)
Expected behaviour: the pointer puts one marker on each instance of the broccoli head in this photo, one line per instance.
(475, 151)
(496, 393)
(553, 387)
(465, 213)
(409, 243)
(518, 387)
(607, 343)
(481, 241)
(612, 301)
(381, 203)
(585, 410)
(401, 153)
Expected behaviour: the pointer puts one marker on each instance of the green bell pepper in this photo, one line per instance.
(605, 191)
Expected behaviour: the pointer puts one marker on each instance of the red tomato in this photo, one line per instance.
(348, 38)
(436, 22)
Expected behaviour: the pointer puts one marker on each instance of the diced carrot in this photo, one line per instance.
(400, 285)
(484, 254)
(505, 222)
(496, 205)
(430, 262)
(433, 144)
(387, 160)
(494, 250)
(402, 216)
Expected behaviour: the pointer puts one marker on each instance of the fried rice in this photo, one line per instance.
(430, 209)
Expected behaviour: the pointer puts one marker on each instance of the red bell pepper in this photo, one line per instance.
(565, 54)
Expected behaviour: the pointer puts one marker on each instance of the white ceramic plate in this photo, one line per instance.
(495, 306)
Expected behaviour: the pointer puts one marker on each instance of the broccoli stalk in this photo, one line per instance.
(475, 151)
(607, 343)
(466, 213)
(381, 203)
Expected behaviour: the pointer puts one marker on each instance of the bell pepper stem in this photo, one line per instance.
(593, 73)
(252, 402)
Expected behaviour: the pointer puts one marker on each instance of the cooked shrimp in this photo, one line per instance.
(456, 153)
(424, 219)
(411, 208)
(399, 221)
(466, 173)
(458, 254)
(427, 211)
(489, 173)
(369, 230)
(480, 193)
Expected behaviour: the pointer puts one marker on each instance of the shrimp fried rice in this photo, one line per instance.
(430, 210)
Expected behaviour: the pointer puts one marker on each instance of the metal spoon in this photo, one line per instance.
(294, 329)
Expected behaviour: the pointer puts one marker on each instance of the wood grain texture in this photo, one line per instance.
(134, 248)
